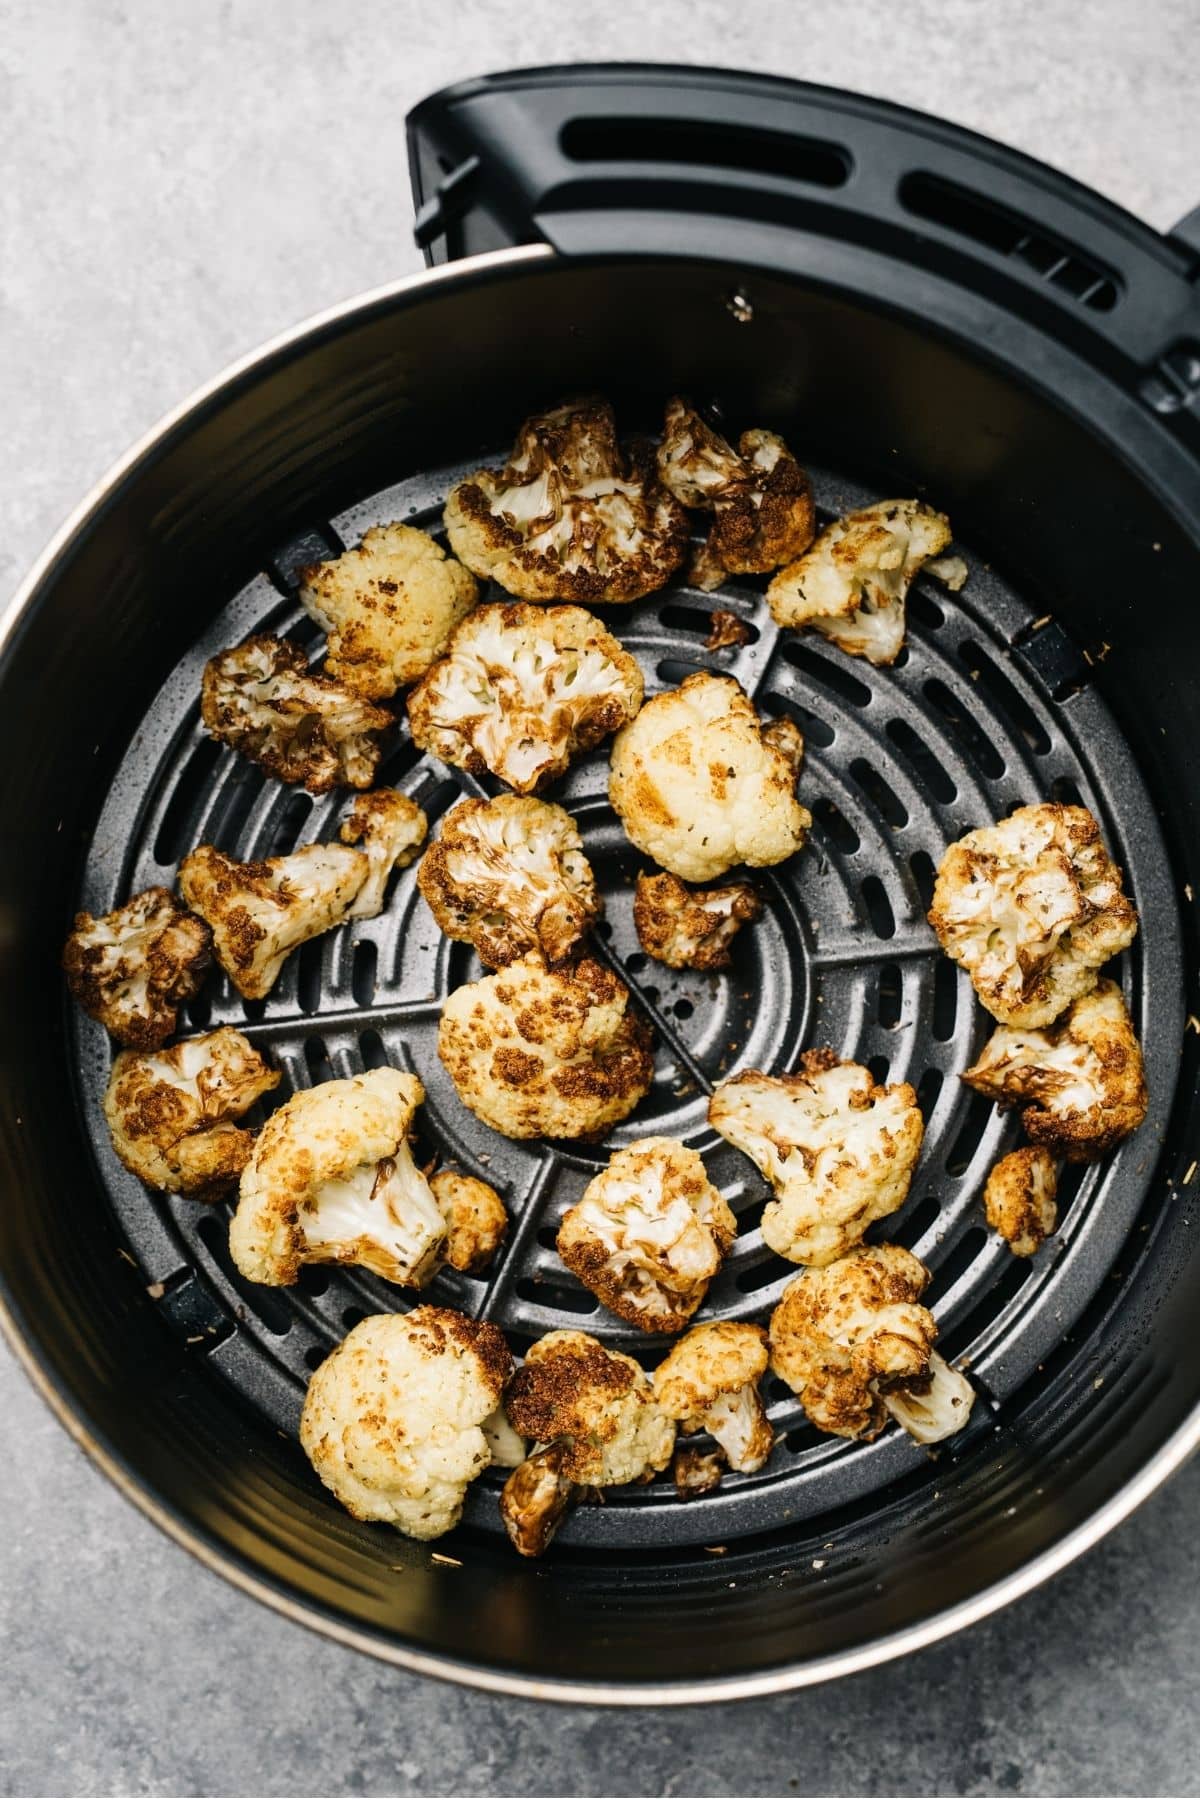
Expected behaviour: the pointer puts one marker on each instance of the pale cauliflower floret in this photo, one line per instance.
(691, 928)
(259, 912)
(594, 1422)
(476, 1219)
(1083, 1076)
(509, 875)
(649, 1234)
(699, 784)
(262, 699)
(569, 517)
(539, 1052)
(838, 1149)
(709, 1382)
(760, 497)
(852, 584)
(171, 1112)
(388, 606)
(1031, 908)
(393, 1422)
(523, 689)
(332, 1179)
(1019, 1199)
(852, 1341)
(391, 829)
(135, 967)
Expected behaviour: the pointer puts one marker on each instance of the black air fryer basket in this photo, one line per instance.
(920, 312)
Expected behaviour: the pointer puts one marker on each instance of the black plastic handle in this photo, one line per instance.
(615, 159)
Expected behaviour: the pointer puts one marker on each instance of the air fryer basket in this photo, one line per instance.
(1013, 398)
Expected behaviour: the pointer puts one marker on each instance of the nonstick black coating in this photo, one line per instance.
(1051, 501)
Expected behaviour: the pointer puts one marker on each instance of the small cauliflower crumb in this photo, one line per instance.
(759, 496)
(262, 700)
(649, 1234)
(700, 783)
(569, 517)
(509, 876)
(1031, 908)
(1082, 1077)
(394, 1419)
(691, 928)
(389, 607)
(538, 1052)
(171, 1112)
(838, 1148)
(1019, 1199)
(523, 689)
(391, 829)
(136, 966)
(476, 1219)
(853, 583)
(709, 1382)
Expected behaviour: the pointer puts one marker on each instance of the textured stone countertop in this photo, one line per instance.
(180, 182)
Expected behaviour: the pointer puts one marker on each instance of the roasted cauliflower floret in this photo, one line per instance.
(171, 1112)
(838, 1149)
(852, 1341)
(649, 1234)
(759, 496)
(523, 689)
(391, 829)
(389, 607)
(1031, 908)
(709, 1382)
(594, 1422)
(852, 584)
(136, 966)
(259, 912)
(332, 1179)
(569, 517)
(1081, 1077)
(509, 875)
(700, 784)
(476, 1219)
(1019, 1199)
(538, 1052)
(394, 1419)
(691, 928)
(262, 699)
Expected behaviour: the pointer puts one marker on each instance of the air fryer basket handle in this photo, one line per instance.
(628, 158)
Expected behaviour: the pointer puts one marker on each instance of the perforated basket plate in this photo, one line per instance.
(986, 709)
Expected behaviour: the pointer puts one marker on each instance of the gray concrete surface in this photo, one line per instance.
(180, 180)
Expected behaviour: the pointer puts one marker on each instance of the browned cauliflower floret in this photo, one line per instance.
(135, 967)
(760, 497)
(332, 1179)
(539, 1052)
(838, 1149)
(476, 1219)
(568, 517)
(509, 876)
(691, 928)
(1031, 908)
(262, 699)
(852, 585)
(594, 1422)
(523, 689)
(709, 1382)
(1020, 1199)
(171, 1112)
(700, 784)
(394, 1421)
(389, 606)
(649, 1234)
(391, 829)
(853, 1343)
(1083, 1076)
(260, 912)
